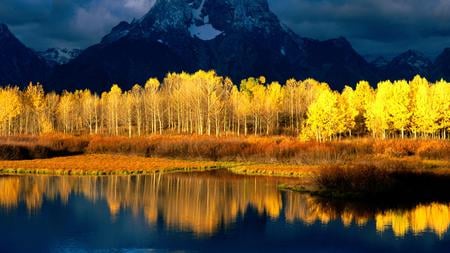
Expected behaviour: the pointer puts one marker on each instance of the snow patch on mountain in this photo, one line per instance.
(379, 62)
(204, 32)
(413, 59)
(59, 56)
(196, 13)
(200, 27)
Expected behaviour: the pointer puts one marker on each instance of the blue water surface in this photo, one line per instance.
(199, 213)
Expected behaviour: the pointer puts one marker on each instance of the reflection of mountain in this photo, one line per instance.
(203, 204)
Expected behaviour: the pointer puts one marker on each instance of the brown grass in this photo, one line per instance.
(269, 149)
(305, 172)
(259, 149)
(101, 164)
(278, 156)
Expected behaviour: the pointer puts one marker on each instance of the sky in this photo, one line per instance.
(374, 27)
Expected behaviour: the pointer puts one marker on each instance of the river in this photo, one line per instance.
(203, 212)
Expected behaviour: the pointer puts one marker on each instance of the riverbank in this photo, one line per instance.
(103, 164)
(119, 164)
(273, 149)
(115, 164)
(309, 162)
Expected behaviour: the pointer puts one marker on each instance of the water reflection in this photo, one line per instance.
(203, 203)
(433, 217)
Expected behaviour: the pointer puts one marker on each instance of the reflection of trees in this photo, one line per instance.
(202, 203)
(432, 217)
(9, 192)
(193, 202)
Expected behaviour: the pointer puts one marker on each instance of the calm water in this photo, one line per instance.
(205, 212)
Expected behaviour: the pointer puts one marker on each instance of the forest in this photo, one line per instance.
(205, 103)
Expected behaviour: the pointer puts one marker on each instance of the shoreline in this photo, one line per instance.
(119, 164)
(307, 178)
(129, 164)
(102, 165)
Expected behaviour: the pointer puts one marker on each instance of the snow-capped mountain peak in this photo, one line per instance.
(407, 65)
(59, 56)
(412, 58)
(200, 27)
(379, 62)
(237, 38)
(200, 19)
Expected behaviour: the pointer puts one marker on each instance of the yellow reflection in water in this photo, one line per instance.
(434, 217)
(202, 203)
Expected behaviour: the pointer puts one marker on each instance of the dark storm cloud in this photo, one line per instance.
(67, 23)
(385, 26)
(373, 26)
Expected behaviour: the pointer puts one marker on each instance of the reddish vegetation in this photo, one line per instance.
(101, 164)
(46, 146)
(274, 149)
(256, 149)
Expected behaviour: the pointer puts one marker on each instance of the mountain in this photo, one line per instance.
(407, 65)
(379, 62)
(441, 67)
(237, 38)
(59, 56)
(19, 64)
(336, 62)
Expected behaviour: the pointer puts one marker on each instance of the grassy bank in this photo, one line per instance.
(103, 165)
(313, 162)
(278, 149)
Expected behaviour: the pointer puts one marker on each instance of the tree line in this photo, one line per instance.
(204, 103)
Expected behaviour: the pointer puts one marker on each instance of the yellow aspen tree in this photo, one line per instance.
(377, 117)
(399, 105)
(152, 105)
(209, 83)
(105, 113)
(363, 97)
(115, 95)
(422, 116)
(10, 107)
(65, 106)
(225, 93)
(36, 96)
(322, 115)
(272, 106)
(241, 107)
(220, 105)
(137, 93)
(290, 99)
(129, 106)
(441, 106)
(348, 109)
(77, 112)
(234, 102)
(51, 109)
(256, 93)
(87, 101)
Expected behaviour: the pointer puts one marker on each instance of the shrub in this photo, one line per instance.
(383, 180)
